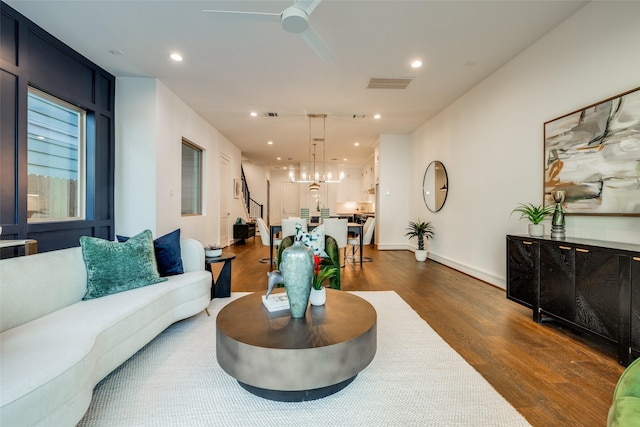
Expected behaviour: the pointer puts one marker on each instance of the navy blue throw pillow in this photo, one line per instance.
(167, 250)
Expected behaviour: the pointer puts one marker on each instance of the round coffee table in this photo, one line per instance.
(281, 358)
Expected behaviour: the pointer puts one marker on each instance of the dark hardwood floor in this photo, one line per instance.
(551, 375)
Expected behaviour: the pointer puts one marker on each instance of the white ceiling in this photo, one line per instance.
(232, 67)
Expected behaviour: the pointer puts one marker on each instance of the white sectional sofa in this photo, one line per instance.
(55, 347)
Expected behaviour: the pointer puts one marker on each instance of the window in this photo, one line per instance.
(55, 159)
(191, 179)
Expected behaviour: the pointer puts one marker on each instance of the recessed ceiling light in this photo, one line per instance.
(253, 114)
(176, 57)
(356, 144)
(344, 160)
(279, 158)
(271, 143)
(416, 63)
(377, 116)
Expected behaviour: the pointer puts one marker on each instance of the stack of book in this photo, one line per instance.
(276, 302)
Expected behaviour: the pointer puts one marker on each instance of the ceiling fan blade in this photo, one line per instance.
(247, 16)
(317, 44)
(307, 5)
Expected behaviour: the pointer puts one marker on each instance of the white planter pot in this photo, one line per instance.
(536, 230)
(421, 255)
(318, 296)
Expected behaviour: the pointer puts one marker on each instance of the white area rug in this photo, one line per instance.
(415, 379)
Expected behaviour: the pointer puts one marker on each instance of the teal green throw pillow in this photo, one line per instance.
(114, 267)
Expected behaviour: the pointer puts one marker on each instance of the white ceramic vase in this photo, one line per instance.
(318, 296)
(421, 255)
(536, 230)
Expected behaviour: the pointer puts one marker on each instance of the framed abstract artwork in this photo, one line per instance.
(237, 188)
(593, 155)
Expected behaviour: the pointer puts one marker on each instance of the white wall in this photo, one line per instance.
(150, 126)
(394, 198)
(135, 165)
(491, 139)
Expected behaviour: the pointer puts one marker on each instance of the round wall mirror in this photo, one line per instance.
(435, 186)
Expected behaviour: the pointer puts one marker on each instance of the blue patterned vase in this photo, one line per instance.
(297, 270)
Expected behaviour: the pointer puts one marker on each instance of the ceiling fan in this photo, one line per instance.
(294, 19)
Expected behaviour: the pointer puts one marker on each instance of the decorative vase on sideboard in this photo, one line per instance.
(297, 271)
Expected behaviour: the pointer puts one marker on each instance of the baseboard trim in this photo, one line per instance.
(492, 279)
(395, 247)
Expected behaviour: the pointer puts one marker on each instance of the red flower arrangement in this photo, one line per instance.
(321, 272)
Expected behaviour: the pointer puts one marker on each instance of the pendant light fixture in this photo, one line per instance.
(319, 171)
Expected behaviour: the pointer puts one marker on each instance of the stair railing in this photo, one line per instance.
(254, 209)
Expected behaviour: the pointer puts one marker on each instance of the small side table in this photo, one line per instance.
(30, 245)
(220, 287)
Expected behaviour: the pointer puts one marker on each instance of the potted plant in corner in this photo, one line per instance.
(421, 230)
(535, 215)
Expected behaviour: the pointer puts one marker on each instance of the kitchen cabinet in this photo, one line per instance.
(367, 180)
(349, 190)
(589, 285)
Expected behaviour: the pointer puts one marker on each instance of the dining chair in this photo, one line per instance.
(289, 226)
(367, 230)
(304, 214)
(265, 236)
(338, 229)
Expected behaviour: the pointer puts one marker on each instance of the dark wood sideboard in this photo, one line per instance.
(590, 285)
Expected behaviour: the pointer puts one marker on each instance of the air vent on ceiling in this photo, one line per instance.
(358, 116)
(271, 114)
(389, 82)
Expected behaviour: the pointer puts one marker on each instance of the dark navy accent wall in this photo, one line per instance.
(29, 56)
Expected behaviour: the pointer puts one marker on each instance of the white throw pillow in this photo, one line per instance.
(313, 239)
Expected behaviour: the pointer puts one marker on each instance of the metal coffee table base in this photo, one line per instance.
(297, 396)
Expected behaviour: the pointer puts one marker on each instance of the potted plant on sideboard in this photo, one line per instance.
(422, 230)
(535, 215)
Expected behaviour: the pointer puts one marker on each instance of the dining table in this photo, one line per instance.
(352, 227)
